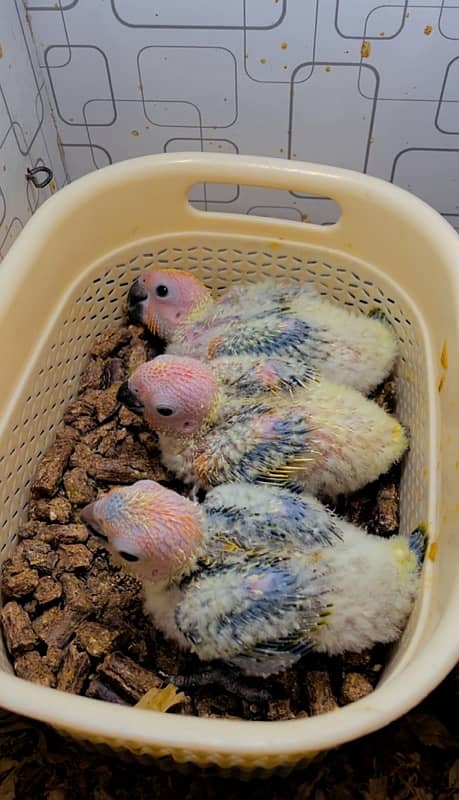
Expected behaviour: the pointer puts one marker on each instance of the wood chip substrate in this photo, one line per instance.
(74, 620)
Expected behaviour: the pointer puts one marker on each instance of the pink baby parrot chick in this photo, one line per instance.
(265, 319)
(322, 437)
(257, 576)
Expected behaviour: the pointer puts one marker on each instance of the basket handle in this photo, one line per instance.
(350, 190)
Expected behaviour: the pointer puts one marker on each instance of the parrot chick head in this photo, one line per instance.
(161, 299)
(154, 529)
(175, 394)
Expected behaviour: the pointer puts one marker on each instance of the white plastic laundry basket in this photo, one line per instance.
(64, 282)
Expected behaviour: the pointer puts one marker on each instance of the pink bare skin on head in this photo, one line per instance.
(156, 530)
(177, 393)
(165, 298)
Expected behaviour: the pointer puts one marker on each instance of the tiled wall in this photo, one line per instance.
(27, 133)
(362, 84)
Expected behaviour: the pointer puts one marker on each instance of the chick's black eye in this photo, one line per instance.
(164, 411)
(128, 556)
(162, 291)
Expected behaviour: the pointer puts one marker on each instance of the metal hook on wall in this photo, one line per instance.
(31, 175)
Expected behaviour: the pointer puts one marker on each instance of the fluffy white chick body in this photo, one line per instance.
(258, 576)
(268, 318)
(322, 437)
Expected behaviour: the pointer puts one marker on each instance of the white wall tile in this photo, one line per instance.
(28, 136)
(275, 77)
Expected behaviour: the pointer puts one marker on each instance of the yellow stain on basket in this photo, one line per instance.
(443, 364)
(444, 356)
(424, 528)
(428, 30)
(365, 50)
(432, 551)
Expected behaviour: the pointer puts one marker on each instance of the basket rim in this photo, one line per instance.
(90, 718)
(226, 168)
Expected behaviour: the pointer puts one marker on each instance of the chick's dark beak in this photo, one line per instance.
(87, 515)
(136, 295)
(128, 399)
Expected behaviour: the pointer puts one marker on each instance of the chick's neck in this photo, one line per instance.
(201, 310)
(196, 557)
